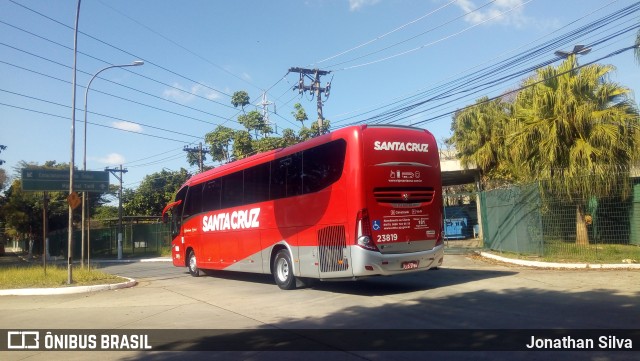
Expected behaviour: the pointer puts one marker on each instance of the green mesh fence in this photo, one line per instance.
(531, 220)
(511, 220)
(138, 240)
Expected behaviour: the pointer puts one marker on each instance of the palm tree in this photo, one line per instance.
(479, 134)
(575, 122)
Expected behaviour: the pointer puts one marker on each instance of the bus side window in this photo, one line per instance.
(232, 190)
(211, 196)
(256, 184)
(286, 177)
(193, 205)
(323, 165)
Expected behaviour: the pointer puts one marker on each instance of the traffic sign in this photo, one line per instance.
(56, 180)
(74, 200)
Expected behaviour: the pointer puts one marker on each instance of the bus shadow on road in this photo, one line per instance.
(414, 282)
(377, 285)
(239, 276)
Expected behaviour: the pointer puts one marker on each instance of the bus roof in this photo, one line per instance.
(272, 154)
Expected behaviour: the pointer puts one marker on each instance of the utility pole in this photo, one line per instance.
(315, 88)
(119, 177)
(200, 152)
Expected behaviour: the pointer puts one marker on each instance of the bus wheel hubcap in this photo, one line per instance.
(283, 269)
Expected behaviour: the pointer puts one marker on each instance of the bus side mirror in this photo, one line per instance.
(165, 218)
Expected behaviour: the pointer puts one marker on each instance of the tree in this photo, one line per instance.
(154, 192)
(254, 121)
(240, 98)
(637, 49)
(479, 138)
(3, 174)
(193, 158)
(2, 147)
(572, 122)
(220, 141)
(300, 114)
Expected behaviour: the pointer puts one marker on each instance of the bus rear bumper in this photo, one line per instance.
(371, 263)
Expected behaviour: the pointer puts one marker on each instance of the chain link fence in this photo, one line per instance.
(533, 220)
(138, 239)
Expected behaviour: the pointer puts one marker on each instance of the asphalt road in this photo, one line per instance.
(466, 293)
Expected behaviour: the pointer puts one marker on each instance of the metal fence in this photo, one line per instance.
(138, 239)
(530, 220)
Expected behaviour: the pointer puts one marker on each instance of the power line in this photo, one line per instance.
(117, 48)
(377, 38)
(422, 46)
(96, 124)
(178, 45)
(492, 72)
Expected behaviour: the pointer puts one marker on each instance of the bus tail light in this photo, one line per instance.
(363, 231)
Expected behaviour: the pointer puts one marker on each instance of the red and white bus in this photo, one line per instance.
(360, 201)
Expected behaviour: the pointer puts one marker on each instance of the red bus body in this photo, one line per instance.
(360, 201)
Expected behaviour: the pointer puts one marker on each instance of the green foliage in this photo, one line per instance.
(574, 122)
(568, 125)
(2, 147)
(254, 121)
(155, 191)
(637, 49)
(300, 114)
(105, 212)
(242, 144)
(220, 142)
(240, 98)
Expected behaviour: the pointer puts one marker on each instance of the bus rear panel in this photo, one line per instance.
(399, 229)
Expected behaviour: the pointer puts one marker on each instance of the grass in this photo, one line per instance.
(594, 253)
(564, 252)
(56, 276)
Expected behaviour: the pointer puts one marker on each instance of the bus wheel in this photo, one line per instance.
(191, 263)
(283, 270)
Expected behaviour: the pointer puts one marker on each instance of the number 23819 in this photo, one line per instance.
(387, 237)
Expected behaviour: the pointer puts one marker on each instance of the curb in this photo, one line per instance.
(140, 260)
(67, 290)
(539, 264)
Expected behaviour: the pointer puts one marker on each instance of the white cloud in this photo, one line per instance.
(128, 126)
(180, 94)
(355, 5)
(507, 12)
(112, 159)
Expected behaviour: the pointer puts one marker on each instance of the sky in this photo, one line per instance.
(400, 62)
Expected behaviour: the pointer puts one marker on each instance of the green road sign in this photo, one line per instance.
(55, 180)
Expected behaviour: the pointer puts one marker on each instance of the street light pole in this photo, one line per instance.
(84, 161)
(73, 151)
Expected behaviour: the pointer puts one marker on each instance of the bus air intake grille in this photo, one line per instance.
(332, 242)
(404, 195)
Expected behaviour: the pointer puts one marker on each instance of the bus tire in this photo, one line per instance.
(283, 270)
(192, 264)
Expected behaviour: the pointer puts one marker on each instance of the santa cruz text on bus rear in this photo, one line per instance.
(360, 201)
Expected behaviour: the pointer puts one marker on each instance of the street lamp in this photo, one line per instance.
(577, 50)
(84, 161)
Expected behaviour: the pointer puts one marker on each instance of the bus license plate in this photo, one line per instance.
(410, 265)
